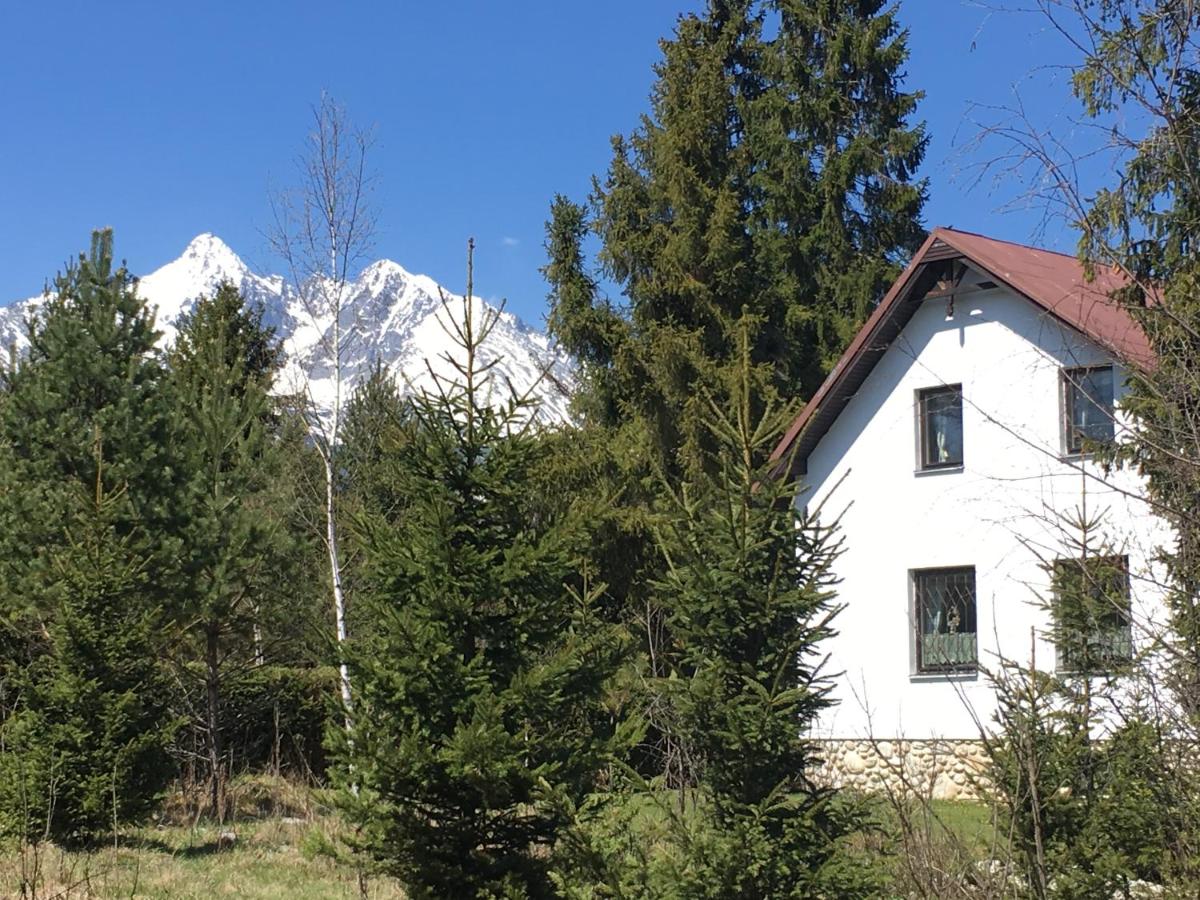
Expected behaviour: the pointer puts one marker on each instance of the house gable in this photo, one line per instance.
(950, 265)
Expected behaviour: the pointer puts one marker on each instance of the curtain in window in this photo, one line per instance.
(946, 619)
(948, 650)
(1091, 609)
(943, 428)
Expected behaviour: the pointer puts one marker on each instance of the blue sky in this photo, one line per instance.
(165, 120)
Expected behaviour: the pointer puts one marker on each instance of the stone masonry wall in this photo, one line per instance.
(943, 770)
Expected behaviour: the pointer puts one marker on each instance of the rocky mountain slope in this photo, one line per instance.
(391, 313)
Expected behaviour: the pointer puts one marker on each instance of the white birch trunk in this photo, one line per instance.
(335, 564)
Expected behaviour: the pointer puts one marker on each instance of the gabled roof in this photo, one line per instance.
(1053, 281)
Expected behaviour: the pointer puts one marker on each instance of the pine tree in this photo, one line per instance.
(236, 544)
(480, 679)
(748, 600)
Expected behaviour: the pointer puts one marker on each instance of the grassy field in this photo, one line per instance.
(284, 850)
(270, 860)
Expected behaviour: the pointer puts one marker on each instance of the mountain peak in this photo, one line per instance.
(396, 314)
(209, 247)
(384, 268)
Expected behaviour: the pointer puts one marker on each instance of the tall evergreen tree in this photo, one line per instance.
(480, 679)
(88, 556)
(775, 171)
(774, 174)
(235, 544)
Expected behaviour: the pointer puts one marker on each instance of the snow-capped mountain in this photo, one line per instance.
(391, 315)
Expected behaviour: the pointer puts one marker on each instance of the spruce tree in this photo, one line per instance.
(88, 558)
(375, 419)
(480, 678)
(86, 748)
(748, 599)
(775, 171)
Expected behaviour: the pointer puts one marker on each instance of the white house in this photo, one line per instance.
(948, 442)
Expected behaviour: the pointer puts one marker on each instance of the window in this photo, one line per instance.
(940, 413)
(1087, 407)
(1091, 613)
(945, 618)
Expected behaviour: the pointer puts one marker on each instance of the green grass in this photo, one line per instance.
(971, 822)
(285, 849)
(268, 862)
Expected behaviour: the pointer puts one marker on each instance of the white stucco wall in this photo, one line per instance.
(997, 513)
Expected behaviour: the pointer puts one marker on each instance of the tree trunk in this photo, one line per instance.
(339, 598)
(213, 689)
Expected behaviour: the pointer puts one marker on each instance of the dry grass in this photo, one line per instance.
(281, 851)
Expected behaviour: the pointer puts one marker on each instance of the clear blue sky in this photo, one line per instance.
(165, 120)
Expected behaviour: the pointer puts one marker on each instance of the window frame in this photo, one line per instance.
(1061, 663)
(1069, 380)
(923, 396)
(920, 667)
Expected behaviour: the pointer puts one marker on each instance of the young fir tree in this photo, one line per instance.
(748, 600)
(480, 680)
(776, 169)
(1078, 754)
(236, 544)
(88, 558)
(86, 749)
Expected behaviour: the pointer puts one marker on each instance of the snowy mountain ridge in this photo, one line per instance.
(391, 314)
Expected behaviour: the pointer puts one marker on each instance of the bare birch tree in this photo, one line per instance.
(323, 229)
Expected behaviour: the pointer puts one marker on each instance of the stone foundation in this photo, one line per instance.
(942, 770)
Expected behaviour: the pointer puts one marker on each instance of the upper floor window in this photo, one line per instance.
(939, 411)
(945, 619)
(1092, 628)
(1087, 406)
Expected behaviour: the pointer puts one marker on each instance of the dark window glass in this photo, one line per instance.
(945, 612)
(941, 427)
(1088, 406)
(1091, 613)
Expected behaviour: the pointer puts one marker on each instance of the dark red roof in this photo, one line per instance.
(1054, 281)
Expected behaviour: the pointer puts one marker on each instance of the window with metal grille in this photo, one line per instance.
(945, 619)
(1087, 407)
(1092, 627)
(940, 413)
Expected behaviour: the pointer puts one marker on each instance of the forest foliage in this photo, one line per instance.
(585, 657)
